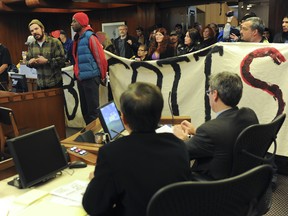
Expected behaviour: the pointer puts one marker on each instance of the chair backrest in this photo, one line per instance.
(235, 196)
(7, 118)
(253, 143)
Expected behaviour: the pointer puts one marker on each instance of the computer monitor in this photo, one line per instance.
(19, 82)
(38, 156)
(110, 120)
(5, 115)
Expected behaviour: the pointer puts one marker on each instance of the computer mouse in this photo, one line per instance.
(77, 164)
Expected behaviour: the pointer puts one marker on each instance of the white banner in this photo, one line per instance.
(184, 79)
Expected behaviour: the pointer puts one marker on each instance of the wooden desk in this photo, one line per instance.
(93, 148)
(174, 120)
(9, 193)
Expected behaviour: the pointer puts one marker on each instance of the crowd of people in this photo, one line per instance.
(162, 44)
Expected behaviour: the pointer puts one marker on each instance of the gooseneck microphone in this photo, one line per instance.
(170, 106)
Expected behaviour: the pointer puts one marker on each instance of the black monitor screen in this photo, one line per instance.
(19, 82)
(111, 120)
(38, 156)
(5, 115)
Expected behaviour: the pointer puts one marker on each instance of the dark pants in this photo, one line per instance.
(89, 98)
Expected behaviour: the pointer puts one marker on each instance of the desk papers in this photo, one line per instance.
(73, 191)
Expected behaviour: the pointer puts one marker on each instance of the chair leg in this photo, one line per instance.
(13, 122)
(265, 202)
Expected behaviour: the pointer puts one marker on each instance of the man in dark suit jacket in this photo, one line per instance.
(211, 144)
(125, 45)
(132, 168)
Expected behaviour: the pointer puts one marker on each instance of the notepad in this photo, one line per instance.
(30, 197)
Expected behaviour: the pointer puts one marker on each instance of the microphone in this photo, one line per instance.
(170, 106)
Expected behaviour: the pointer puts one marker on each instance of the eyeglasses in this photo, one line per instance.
(141, 50)
(208, 92)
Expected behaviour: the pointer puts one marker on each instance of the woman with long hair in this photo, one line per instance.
(207, 37)
(191, 41)
(160, 48)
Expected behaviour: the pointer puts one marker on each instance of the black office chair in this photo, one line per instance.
(252, 145)
(251, 150)
(235, 196)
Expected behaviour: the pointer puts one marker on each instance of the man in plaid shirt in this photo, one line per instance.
(47, 56)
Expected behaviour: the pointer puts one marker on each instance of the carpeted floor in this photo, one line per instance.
(280, 198)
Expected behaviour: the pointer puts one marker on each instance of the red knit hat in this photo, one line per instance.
(81, 18)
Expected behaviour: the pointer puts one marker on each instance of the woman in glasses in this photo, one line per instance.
(142, 53)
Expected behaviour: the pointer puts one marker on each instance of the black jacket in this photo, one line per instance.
(130, 50)
(131, 169)
(212, 145)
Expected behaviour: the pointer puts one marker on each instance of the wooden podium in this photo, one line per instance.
(33, 110)
(37, 109)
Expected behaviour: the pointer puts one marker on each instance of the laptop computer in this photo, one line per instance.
(111, 121)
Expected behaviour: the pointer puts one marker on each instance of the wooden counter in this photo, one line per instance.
(37, 109)
(93, 148)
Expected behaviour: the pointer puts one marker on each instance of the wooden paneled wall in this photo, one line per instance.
(37, 109)
(14, 26)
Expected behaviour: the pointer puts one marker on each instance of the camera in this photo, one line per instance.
(229, 14)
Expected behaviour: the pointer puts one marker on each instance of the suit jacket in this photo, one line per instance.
(213, 143)
(131, 169)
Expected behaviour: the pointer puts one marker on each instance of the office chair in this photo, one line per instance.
(253, 143)
(6, 118)
(235, 196)
(251, 150)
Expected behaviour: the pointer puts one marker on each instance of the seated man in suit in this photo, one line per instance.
(211, 144)
(132, 168)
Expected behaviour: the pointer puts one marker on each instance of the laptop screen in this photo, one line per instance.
(110, 120)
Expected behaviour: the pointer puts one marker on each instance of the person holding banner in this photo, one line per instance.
(125, 45)
(211, 144)
(160, 48)
(191, 41)
(252, 29)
